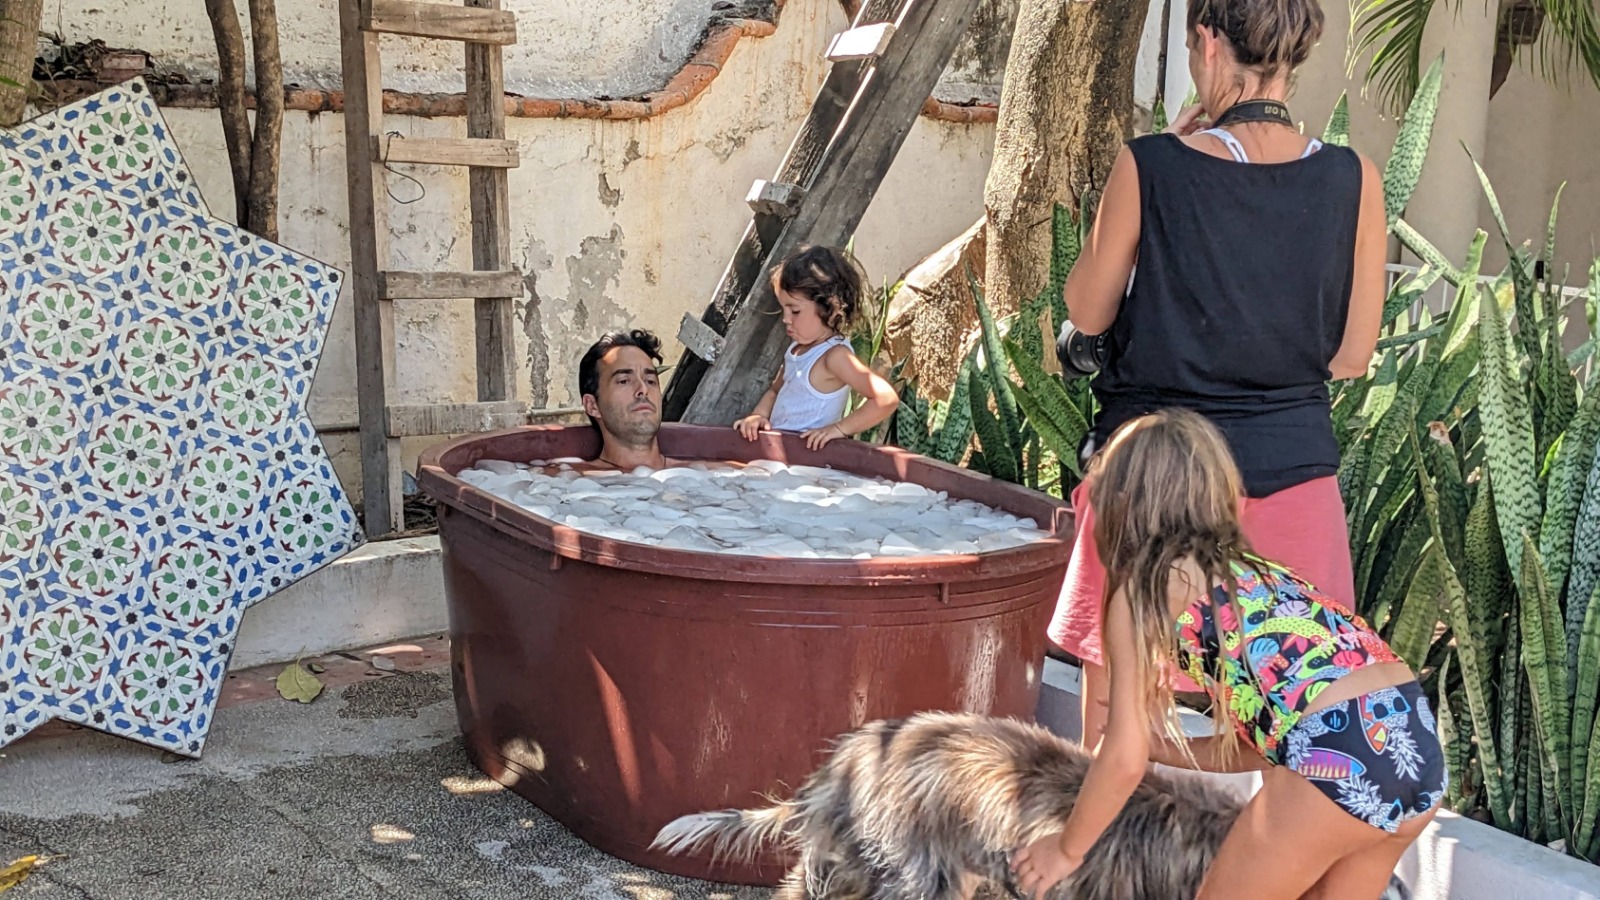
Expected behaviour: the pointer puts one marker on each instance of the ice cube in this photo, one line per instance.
(683, 537)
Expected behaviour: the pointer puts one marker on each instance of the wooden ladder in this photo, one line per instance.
(883, 69)
(493, 283)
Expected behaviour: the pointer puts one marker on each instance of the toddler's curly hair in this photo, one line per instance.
(827, 276)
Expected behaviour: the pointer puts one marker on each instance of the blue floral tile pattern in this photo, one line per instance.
(158, 472)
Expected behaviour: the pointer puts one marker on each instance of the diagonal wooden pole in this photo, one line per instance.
(838, 171)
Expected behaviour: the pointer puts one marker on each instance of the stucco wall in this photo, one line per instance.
(615, 48)
(614, 222)
(564, 48)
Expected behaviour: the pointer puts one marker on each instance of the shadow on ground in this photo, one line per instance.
(366, 793)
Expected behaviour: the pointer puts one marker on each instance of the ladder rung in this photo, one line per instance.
(423, 420)
(866, 42)
(448, 285)
(488, 153)
(441, 20)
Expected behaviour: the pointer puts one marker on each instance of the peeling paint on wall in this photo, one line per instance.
(536, 260)
(609, 196)
(561, 328)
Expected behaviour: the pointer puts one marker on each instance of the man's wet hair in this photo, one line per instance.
(589, 366)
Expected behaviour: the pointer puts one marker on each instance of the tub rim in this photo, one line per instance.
(438, 464)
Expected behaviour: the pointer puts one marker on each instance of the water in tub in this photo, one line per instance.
(765, 508)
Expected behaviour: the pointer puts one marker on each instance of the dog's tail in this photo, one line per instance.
(735, 833)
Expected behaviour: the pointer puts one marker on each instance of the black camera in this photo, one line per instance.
(1081, 354)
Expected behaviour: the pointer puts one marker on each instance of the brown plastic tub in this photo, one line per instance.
(619, 685)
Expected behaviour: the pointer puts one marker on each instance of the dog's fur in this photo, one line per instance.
(928, 807)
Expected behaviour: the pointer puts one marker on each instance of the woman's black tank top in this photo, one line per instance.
(1238, 303)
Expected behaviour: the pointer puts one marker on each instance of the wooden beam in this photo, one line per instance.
(489, 198)
(857, 158)
(799, 167)
(489, 154)
(369, 247)
(698, 338)
(443, 21)
(424, 420)
(448, 285)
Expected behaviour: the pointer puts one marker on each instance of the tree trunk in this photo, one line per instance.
(1065, 111)
(230, 100)
(264, 152)
(19, 39)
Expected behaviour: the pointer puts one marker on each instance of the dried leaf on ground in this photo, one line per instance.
(17, 872)
(295, 683)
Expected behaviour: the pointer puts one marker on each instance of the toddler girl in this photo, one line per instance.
(820, 291)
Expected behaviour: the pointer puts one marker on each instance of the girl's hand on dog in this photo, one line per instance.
(1042, 865)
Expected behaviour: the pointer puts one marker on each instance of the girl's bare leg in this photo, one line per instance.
(1291, 836)
(1366, 873)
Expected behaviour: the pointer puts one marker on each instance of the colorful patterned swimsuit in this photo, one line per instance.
(1293, 643)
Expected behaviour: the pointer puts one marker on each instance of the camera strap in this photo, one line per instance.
(1255, 111)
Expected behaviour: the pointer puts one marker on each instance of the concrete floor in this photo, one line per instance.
(365, 793)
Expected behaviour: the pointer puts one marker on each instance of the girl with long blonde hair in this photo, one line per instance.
(1301, 687)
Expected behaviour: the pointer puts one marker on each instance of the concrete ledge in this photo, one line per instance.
(1455, 858)
(380, 592)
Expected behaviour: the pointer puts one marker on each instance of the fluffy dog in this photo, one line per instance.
(931, 807)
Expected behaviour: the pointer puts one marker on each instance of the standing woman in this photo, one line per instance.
(1256, 258)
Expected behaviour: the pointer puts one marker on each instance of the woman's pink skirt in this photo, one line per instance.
(1301, 527)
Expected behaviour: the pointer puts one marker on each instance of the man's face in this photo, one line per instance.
(628, 401)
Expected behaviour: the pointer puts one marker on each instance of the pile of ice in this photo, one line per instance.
(763, 509)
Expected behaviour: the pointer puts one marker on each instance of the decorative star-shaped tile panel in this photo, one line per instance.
(158, 472)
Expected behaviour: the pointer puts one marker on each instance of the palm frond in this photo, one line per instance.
(1392, 31)
(1569, 41)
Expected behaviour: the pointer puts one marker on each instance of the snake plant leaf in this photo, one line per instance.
(1437, 574)
(1404, 168)
(1585, 781)
(1566, 489)
(1488, 581)
(1049, 394)
(1424, 249)
(1508, 432)
(1544, 659)
(1353, 466)
(1397, 556)
(1337, 131)
(997, 454)
(955, 432)
(1407, 291)
(993, 366)
(1584, 577)
(1065, 244)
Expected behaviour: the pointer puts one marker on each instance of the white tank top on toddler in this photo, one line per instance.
(800, 406)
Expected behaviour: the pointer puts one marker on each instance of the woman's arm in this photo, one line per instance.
(1098, 281)
(1368, 287)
